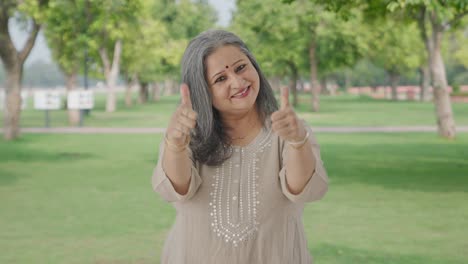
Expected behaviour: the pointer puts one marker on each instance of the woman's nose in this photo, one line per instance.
(236, 82)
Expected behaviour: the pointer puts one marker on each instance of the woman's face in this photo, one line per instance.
(233, 80)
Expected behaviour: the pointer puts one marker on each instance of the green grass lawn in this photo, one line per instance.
(344, 110)
(393, 198)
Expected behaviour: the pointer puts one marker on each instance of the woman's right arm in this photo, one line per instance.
(176, 160)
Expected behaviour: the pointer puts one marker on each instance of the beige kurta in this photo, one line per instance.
(241, 211)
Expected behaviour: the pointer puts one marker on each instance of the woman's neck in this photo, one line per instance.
(242, 129)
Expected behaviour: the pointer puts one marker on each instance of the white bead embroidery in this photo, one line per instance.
(223, 223)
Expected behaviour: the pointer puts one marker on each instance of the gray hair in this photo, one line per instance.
(210, 144)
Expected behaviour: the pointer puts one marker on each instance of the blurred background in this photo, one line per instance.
(87, 88)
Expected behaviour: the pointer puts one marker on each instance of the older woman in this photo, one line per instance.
(237, 169)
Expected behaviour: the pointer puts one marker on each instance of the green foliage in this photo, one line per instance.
(65, 32)
(155, 46)
(272, 32)
(184, 20)
(35, 9)
(280, 35)
(395, 46)
(365, 73)
(341, 43)
(144, 50)
(459, 42)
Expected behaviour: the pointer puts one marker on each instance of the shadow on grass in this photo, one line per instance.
(338, 254)
(12, 152)
(406, 166)
(20, 151)
(7, 177)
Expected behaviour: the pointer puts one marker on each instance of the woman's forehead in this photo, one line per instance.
(224, 56)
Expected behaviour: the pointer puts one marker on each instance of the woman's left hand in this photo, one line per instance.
(285, 122)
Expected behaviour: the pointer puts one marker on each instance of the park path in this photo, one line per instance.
(156, 130)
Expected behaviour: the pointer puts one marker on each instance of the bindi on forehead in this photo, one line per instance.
(227, 67)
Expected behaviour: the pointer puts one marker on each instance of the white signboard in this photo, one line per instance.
(47, 100)
(80, 99)
(24, 100)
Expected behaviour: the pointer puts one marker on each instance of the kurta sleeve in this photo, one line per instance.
(317, 185)
(163, 186)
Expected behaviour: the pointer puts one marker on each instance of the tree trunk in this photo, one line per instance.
(111, 72)
(333, 87)
(347, 79)
(424, 82)
(323, 85)
(128, 94)
(315, 86)
(13, 61)
(443, 105)
(12, 110)
(73, 114)
(394, 80)
(293, 82)
(156, 92)
(129, 90)
(143, 93)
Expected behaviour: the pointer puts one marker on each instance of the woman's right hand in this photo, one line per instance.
(182, 121)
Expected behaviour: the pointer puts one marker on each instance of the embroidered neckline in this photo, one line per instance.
(248, 193)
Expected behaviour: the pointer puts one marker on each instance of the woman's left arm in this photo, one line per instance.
(301, 163)
(299, 159)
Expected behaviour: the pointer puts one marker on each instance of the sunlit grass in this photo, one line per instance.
(393, 198)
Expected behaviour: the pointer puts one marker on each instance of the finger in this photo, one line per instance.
(277, 125)
(189, 123)
(175, 134)
(278, 115)
(285, 132)
(284, 97)
(188, 112)
(182, 129)
(185, 95)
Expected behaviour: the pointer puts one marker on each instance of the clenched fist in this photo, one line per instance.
(285, 122)
(182, 121)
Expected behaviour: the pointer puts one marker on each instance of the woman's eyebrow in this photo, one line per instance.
(223, 69)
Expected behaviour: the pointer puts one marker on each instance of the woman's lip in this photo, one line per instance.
(242, 94)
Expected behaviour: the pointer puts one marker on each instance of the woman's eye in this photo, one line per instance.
(220, 79)
(240, 68)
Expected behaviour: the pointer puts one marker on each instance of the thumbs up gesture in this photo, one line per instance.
(285, 122)
(182, 121)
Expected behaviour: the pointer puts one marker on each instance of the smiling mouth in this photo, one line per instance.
(242, 93)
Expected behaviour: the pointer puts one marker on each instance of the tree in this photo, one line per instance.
(65, 31)
(145, 48)
(184, 20)
(435, 18)
(395, 47)
(13, 59)
(272, 31)
(301, 36)
(109, 24)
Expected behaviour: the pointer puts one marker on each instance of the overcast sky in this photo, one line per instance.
(42, 52)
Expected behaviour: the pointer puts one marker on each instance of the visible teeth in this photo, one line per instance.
(242, 93)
